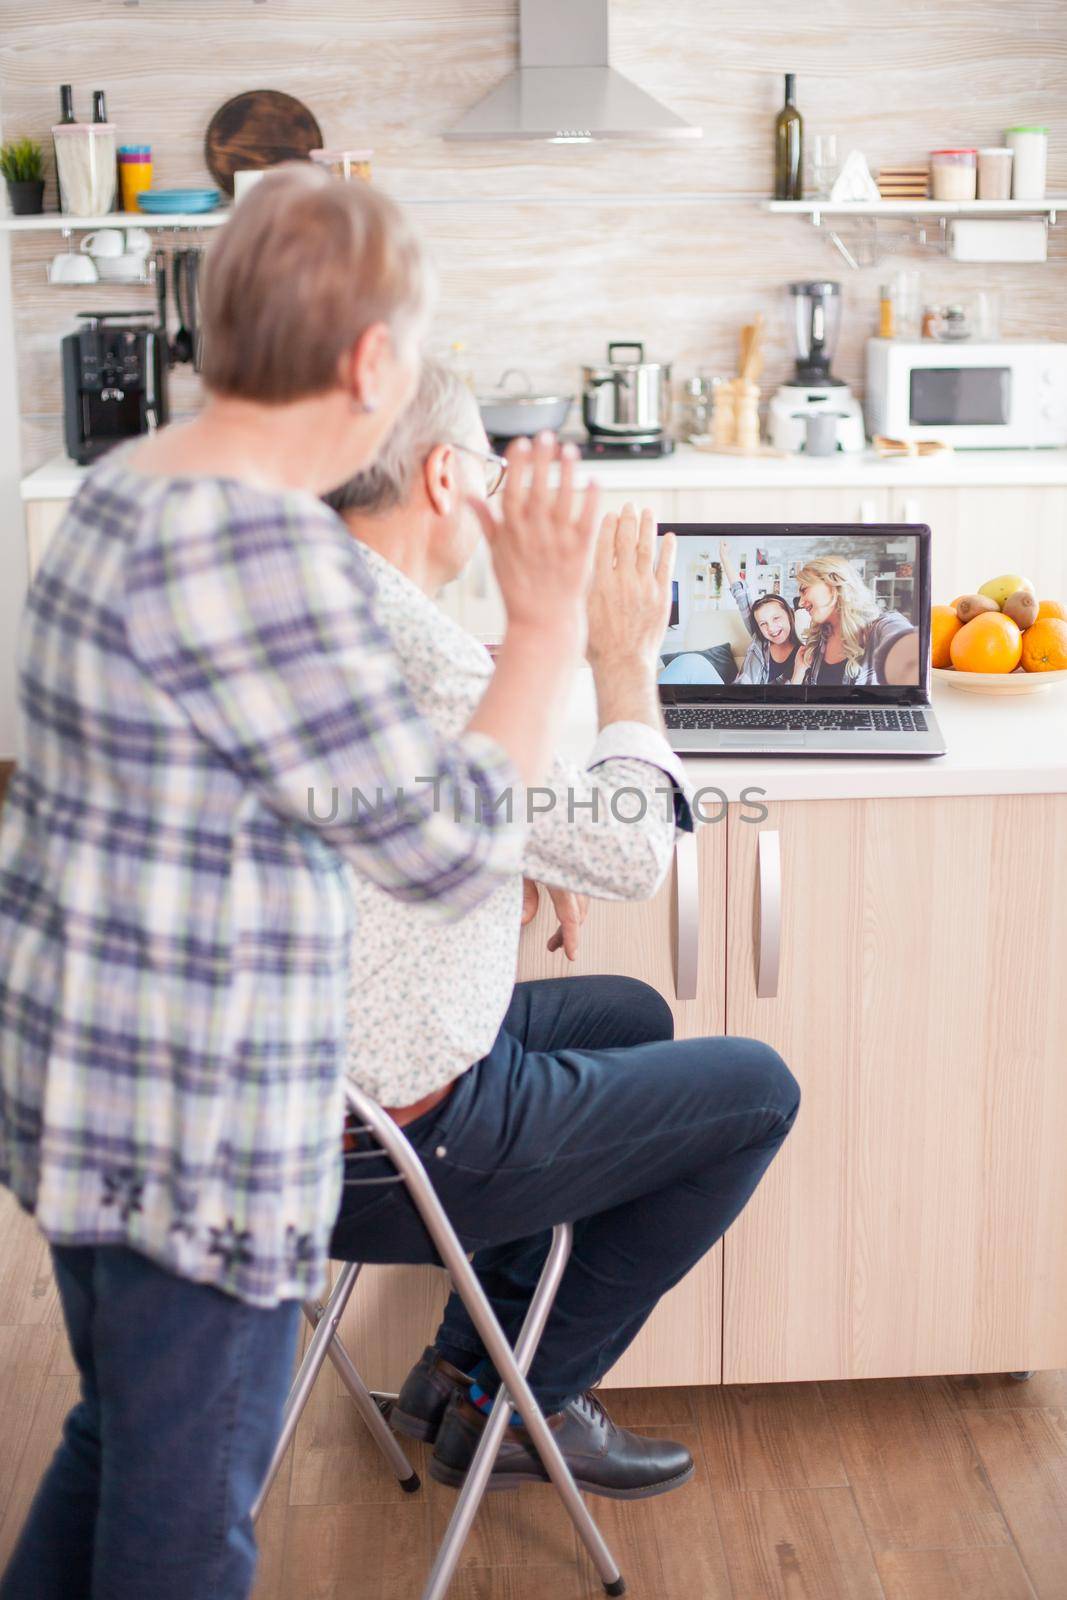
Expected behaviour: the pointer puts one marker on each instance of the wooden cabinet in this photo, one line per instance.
(42, 519)
(777, 504)
(916, 1219)
(981, 532)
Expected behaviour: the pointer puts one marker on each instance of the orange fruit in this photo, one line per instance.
(944, 624)
(1045, 645)
(988, 643)
(1052, 608)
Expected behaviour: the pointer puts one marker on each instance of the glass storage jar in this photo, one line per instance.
(86, 167)
(953, 174)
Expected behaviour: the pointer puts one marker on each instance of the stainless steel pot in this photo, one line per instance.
(629, 398)
(516, 412)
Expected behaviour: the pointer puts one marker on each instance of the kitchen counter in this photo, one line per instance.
(687, 468)
(996, 745)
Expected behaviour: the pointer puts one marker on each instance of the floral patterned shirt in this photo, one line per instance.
(425, 1001)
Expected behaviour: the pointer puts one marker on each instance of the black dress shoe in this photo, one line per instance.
(604, 1459)
(422, 1402)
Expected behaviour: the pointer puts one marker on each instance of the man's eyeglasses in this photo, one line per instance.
(495, 467)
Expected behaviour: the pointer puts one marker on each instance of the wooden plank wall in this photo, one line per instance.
(545, 285)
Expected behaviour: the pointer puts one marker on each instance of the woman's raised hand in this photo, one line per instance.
(729, 570)
(542, 543)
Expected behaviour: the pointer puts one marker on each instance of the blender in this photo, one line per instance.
(813, 390)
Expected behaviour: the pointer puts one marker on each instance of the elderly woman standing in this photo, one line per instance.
(201, 678)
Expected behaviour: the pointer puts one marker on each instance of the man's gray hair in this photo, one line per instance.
(443, 411)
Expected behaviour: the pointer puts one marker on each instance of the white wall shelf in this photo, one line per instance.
(60, 222)
(867, 214)
(919, 208)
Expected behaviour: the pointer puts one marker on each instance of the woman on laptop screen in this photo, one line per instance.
(771, 620)
(850, 638)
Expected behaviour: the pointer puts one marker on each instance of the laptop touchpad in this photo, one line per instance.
(747, 738)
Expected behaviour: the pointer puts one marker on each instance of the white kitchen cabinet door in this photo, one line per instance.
(792, 504)
(978, 533)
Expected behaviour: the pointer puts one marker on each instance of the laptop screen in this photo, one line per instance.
(821, 613)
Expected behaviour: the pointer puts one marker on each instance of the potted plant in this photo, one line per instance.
(22, 164)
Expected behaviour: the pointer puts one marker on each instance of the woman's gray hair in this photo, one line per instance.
(443, 411)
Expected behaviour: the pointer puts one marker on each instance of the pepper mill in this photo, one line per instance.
(746, 411)
(722, 413)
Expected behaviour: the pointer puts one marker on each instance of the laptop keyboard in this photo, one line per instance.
(775, 719)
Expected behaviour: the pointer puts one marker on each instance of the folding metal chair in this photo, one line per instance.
(511, 1365)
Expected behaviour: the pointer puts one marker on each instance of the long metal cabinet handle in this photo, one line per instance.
(686, 916)
(769, 937)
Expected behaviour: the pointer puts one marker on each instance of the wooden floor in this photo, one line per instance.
(931, 1489)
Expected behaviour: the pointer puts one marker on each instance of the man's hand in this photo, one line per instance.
(543, 539)
(630, 598)
(571, 909)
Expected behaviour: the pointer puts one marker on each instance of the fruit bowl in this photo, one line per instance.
(1017, 682)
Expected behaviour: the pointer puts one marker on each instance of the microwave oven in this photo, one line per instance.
(1006, 395)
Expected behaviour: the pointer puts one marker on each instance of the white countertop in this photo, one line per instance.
(996, 745)
(688, 468)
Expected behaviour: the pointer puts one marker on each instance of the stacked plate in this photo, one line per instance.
(167, 201)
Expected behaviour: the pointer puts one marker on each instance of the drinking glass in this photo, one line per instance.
(907, 304)
(987, 314)
(824, 163)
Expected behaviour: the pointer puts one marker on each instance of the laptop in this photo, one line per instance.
(799, 639)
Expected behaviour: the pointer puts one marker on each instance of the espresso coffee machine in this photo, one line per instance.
(114, 381)
(813, 390)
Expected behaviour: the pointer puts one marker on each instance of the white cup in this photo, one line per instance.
(120, 269)
(104, 242)
(138, 241)
(246, 179)
(71, 268)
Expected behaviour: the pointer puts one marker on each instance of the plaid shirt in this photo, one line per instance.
(201, 673)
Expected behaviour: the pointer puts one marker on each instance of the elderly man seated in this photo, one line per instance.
(540, 1102)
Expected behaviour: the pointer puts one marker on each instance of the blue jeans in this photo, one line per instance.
(148, 1494)
(585, 1110)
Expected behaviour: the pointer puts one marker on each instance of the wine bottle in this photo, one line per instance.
(789, 146)
(99, 106)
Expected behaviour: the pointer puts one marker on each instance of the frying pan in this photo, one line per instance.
(517, 412)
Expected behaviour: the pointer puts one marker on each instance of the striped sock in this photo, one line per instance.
(482, 1392)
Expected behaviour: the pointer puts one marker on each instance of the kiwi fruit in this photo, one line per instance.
(1022, 608)
(969, 606)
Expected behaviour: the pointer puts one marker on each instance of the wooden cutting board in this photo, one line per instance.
(258, 129)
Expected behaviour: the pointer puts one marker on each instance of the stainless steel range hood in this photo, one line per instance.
(564, 89)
